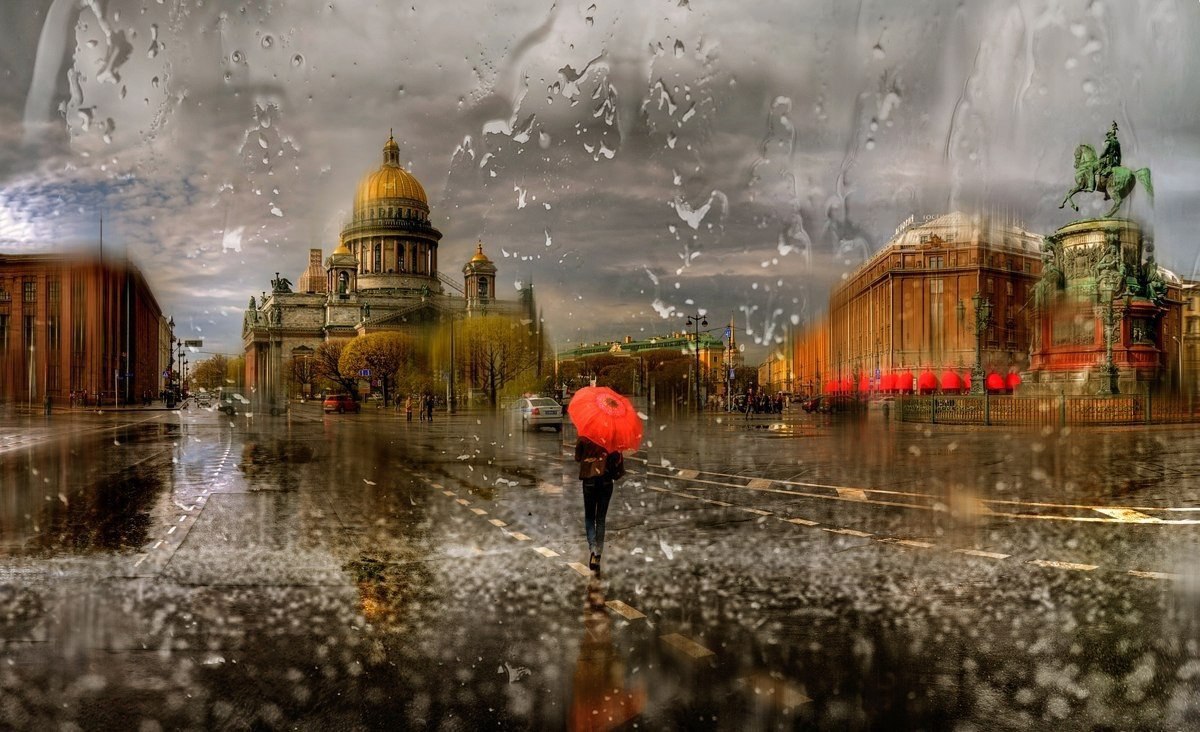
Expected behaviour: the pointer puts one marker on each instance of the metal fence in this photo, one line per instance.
(1048, 410)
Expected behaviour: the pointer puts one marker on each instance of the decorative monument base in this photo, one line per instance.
(1100, 313)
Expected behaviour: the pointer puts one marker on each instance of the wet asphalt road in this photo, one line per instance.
(189, 570)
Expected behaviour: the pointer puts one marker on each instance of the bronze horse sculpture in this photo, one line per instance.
(1117, 185)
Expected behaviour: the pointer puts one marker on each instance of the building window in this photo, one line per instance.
(991, 285)
(53, 290)
(29, 333)
(378, 258)
(937, 335)
(4, 296)
(30, 291)
(936, 262)
(1008, 288)
(3, 334)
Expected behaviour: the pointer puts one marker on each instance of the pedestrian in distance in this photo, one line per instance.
(429, 403)
(421, 408)
(598, 469)
(408, 408)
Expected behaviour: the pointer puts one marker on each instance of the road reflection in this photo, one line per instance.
(602, 696)
(57, 502)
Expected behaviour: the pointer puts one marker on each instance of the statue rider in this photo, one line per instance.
(1109, 159)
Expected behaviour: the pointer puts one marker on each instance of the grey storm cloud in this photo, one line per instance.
(635, 161)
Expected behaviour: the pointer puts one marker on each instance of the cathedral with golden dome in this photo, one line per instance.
(382, 276)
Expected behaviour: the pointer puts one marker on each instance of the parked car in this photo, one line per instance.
(835, 404)
(340, 403)
(203, 399)
(538, 412)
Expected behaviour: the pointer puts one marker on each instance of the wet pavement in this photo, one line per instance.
(194, 571)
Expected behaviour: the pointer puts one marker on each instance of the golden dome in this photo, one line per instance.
(479, 255)
(390, 181)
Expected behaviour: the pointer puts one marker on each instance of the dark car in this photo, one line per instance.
(340, 403)
(835, 404)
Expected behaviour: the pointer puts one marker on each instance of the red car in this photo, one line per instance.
(340, 403)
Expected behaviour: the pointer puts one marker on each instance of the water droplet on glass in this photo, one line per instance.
(878, 52)
(267, 41)
(298, 60)
(678, 48)
(237, 57)
(672, 138)
(228, 76)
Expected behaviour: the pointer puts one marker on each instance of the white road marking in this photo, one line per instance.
(686, 645)
(624, 610)
(546, 552)
(758, 511)
(158, 544)
(141, 559)
(760, 483)
(802, 522)
(479, 512)
(687, 474)
(449, 493)
(497, 522)
(1128, 514)
(182, 519)
(462, 501)
(581, 569)
(908, 542)
(716, 503)
(1062, 565)
(1155, 575)
(981, 553)
(519, 536)
(171, 530)
(849, 532)
(852, 494)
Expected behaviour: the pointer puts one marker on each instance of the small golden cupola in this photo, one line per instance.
(479, 276)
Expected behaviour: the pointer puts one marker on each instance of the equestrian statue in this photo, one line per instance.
(1105, 174)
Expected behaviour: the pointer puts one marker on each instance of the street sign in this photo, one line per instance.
(365, 373)
(194, 343)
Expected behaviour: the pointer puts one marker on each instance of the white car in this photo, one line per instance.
(538, 412)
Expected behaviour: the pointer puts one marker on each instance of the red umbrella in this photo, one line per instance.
(606, 418)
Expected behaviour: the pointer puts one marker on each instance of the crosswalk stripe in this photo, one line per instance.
(624, 610)
(686, 645)
(581, 569)
(546, 552)
(848, 532)
(981, 553)
(497, 522)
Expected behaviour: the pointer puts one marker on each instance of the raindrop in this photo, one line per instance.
(275, 210)
(543, 140)
(237, 57)
(155, 47)
(154, 82)
(228, 76)
(672, 138)
(298, 60)
(878, 52)
(267, 41)
(870, 144)
(678, 48)
(262, 142)
(549, 241)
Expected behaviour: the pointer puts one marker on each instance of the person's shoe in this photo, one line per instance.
(594, 562)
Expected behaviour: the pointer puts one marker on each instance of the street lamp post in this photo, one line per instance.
(696, 321)
(983, 314)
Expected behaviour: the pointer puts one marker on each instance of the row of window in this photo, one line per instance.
(29, 332)
(29, 290)
(393, 212)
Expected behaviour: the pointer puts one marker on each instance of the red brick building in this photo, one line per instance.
(70, 324)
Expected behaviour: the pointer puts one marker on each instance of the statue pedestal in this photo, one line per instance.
(1094, 278)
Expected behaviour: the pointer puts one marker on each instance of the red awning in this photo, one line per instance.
(864, 384)
(966, 380)
(888, 382)
(927, 383)
(904, 382)
(951, 382)
(995, 382)
(1012, 381)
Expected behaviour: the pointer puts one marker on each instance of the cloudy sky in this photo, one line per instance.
(635, 160)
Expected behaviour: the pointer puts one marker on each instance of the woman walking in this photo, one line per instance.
(598, 468)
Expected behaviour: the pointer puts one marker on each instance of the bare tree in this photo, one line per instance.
(210, 373)
(497, 350)
(327, 360)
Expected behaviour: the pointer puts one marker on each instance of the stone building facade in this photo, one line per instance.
(77, 325)
(382, 276)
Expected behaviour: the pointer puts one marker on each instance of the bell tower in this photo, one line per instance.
(342, 273)
(479, 276)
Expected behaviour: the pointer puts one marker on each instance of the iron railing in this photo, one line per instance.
(1002, 409)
